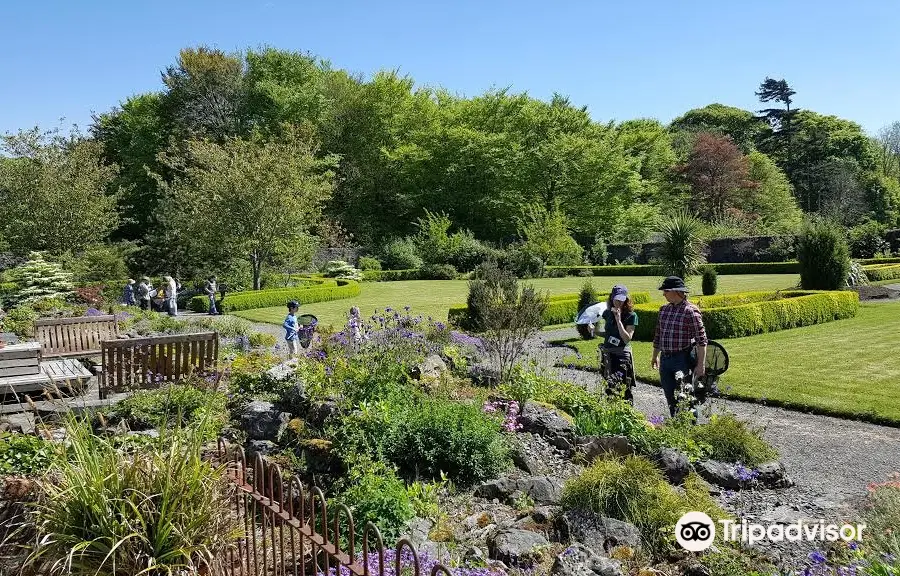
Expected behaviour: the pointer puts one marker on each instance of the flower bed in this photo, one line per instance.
(747, 313)
(326, 290)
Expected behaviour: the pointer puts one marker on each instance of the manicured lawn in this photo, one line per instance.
(434, 297)
(848, 367)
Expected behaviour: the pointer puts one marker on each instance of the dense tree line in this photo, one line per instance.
(282, 147)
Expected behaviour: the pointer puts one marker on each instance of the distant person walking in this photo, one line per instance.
(143, 292)
(292, 328)
(171, 296)
(128, 294)
(211, 288)
(679, 329)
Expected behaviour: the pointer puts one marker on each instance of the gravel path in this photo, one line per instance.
(832, 460)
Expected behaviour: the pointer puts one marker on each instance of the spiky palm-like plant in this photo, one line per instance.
(682, 252)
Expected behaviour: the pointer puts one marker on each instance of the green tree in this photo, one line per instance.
(248, 198)
(887, 143)
(740, 125)
(824, 255)
(132, 136)
(771, 202)
(54, 192)
(780, 120)
(682, 249)
(545, 234)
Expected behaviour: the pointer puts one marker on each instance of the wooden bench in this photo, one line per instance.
(78, 337)
(140, 363)
(21, 371)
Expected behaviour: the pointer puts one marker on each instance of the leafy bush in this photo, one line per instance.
(25, 455)
(587, 296)
(261, 340)
(99, 263)
(599, 252)
(614, 417)
(270, 298)
(506, 315)
(710, 281)
(438, 272)
(732, 440)
(114, 513)
(39, 279)
(175, 405)
(401, 254)
(369, 263)
(392, 275)
(857, 275)
(433, 435)
(738, 315)
(681, 251)
(634, 490)
(375, 494)
(823, 255)
(20, 321)
(521, 263)
(781, 249)
(880, 513)
(546, 235)
(868, 240)
(342, 270)
(656, 270)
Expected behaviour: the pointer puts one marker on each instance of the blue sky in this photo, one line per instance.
(623, 60)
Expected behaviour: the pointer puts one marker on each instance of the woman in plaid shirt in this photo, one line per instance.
(680, 326)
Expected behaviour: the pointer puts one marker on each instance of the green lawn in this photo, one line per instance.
(434, 297)
(849, 367)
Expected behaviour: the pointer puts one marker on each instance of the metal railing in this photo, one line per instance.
(286, 529)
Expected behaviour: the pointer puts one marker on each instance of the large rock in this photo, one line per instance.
(675, 466)
(598, 533)
(321, 412)
(541, 489)
(773, 475)
(262, 421)
(432, 367)
(578, 560)
(261, 448)
(722, 474)
(484, 376)
(593, 447)
(523, 461)
(515, 547)
(559, 431)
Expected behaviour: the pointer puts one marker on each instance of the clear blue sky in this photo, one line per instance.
(623, 60)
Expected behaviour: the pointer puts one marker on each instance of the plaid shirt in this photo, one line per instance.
(678, 325)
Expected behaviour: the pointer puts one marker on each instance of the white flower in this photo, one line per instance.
(679, 375)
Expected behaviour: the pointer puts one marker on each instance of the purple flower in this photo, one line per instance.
(657, 420)
(854, 546)
(92, 312)
(816, 557)
(745, 474)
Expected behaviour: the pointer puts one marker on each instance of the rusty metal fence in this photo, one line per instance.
(287, 529)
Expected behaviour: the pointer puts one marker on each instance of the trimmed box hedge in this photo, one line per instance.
(792, 267)
(880, 272)
(748, 313)
(391, 275)
(561, 309)
(325, 291)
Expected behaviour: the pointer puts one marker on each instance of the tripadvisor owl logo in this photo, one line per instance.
(695, 531)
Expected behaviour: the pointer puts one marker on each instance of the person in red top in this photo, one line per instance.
(679, 328)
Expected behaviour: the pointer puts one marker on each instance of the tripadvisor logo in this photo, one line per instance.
(695, 531)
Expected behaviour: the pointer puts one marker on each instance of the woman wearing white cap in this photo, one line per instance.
(617, 364)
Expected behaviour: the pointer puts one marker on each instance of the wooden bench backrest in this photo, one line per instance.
(140, 363)
(71, 337)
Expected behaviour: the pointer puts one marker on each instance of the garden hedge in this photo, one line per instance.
(748, 313)
(391, 275)
(875, 272)
(654, 270)
(561, 309)
(325, 291)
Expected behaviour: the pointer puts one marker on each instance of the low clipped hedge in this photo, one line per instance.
(325, 291)
(874, 272)
(391, 275)
(877, 261)
(561, 309)
(654, 270)
(748, 313)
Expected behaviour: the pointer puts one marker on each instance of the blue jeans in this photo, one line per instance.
(212, 305)
(668, 366)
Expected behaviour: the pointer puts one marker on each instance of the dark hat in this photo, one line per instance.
(675, 284)
(618, 290)
(293, 304)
